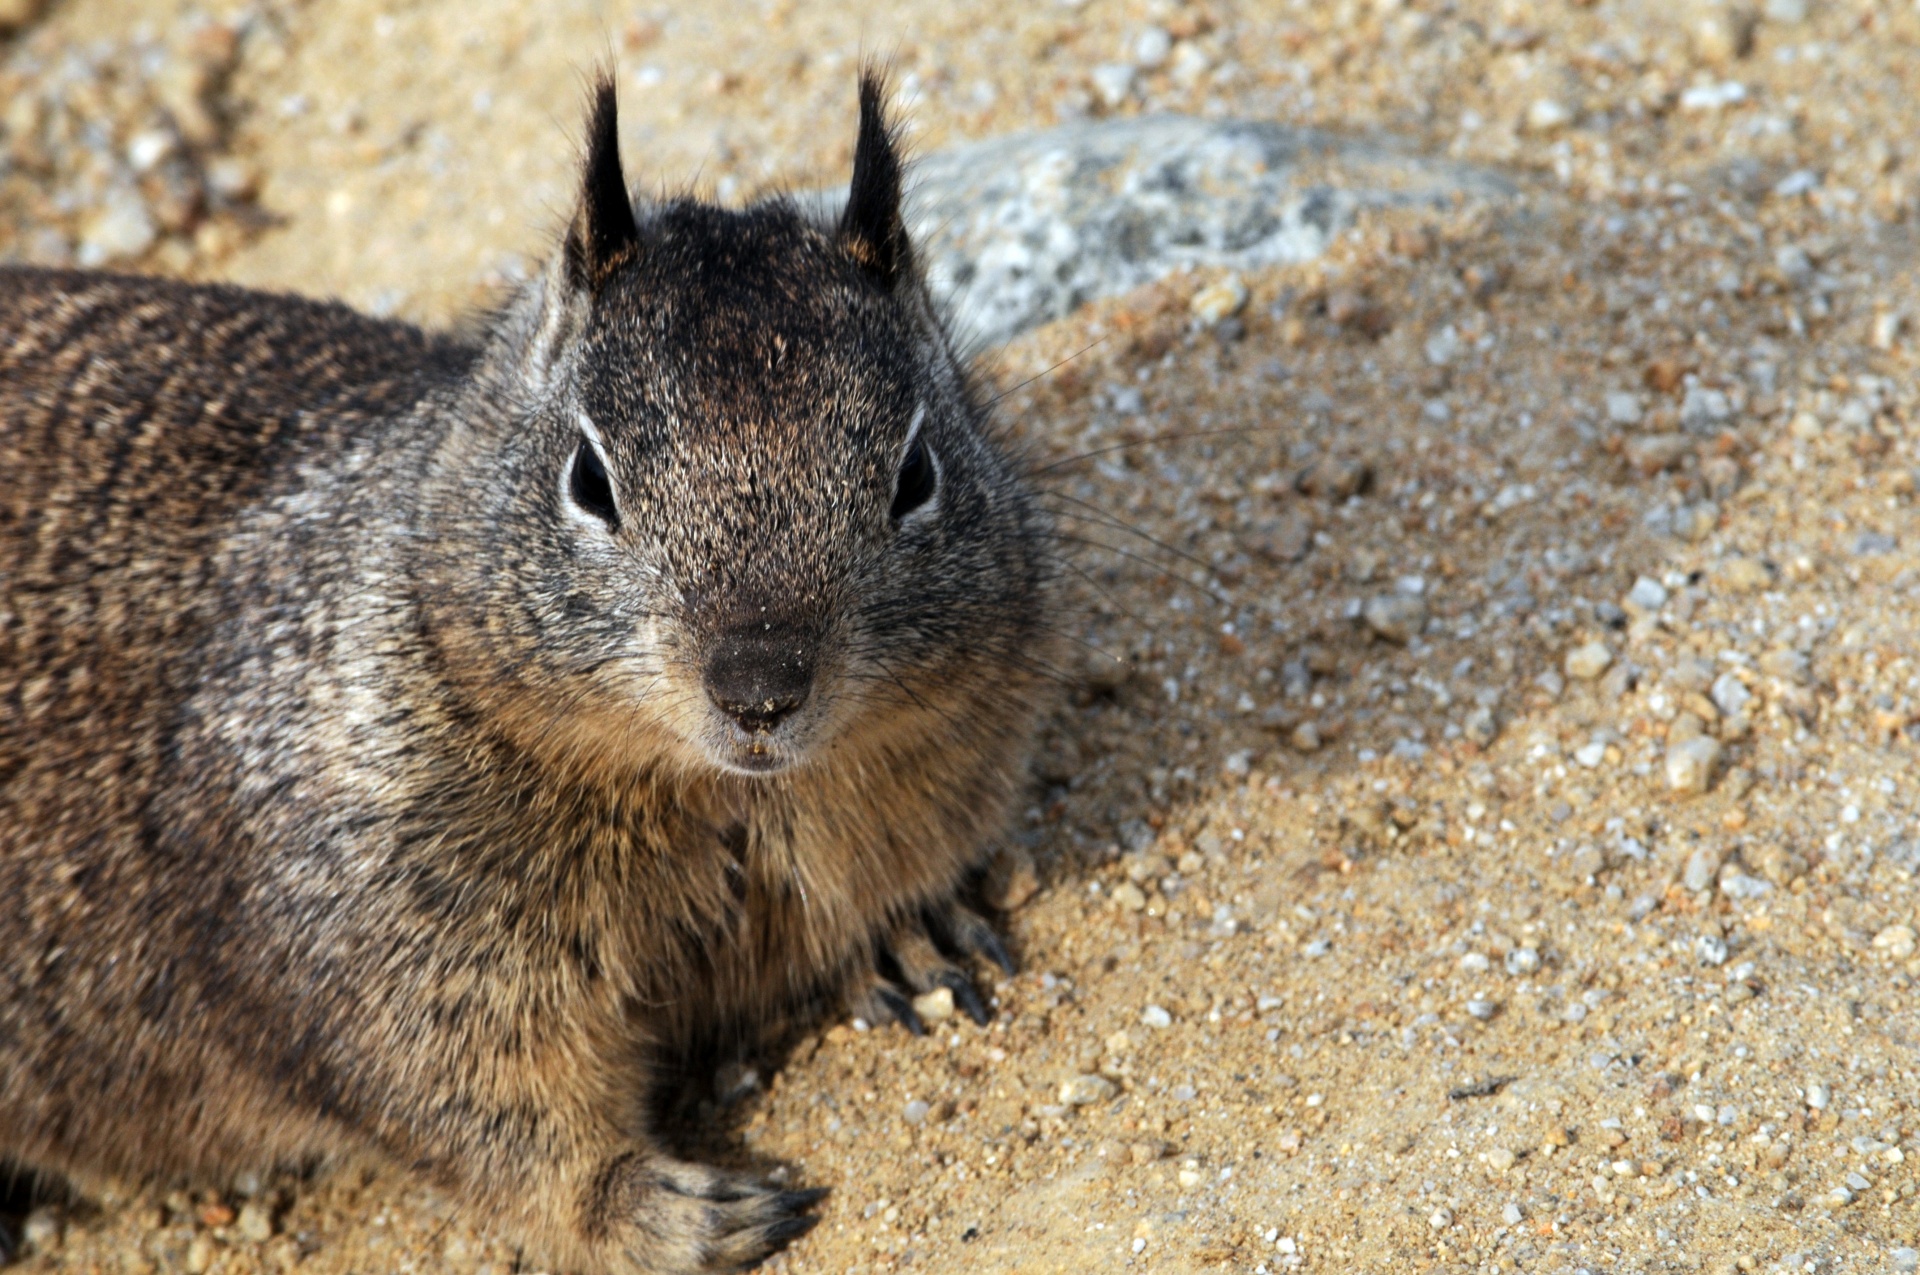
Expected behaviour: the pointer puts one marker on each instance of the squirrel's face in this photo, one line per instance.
(767, 510)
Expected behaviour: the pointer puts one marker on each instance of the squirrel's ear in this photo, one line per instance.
(872, 229)
(604, 234)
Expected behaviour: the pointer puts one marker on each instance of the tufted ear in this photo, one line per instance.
(872, 229)
(604, 234)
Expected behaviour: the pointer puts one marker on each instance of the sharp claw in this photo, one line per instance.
(902, 1010)
(787, 1230)
(796, 1201)
(988, 944)
(967, 997)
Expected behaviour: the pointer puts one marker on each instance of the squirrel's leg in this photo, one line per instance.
(919, 955)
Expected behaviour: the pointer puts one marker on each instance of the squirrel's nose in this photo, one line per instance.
(759, 681)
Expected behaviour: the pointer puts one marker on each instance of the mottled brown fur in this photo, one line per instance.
(368, 784)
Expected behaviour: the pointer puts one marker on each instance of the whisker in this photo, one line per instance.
(1046, 371)
(1144, 561)
(1100, 516)
(1177, 437)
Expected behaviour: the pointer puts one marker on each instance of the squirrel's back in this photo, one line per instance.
(136, 415)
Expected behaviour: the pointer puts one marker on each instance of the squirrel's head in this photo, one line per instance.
(746, 505)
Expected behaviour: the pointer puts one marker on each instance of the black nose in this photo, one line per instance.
(759, 680)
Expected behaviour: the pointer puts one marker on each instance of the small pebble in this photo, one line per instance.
(1151, 48)
(1522, 960)
(1222, 300)
(1156, 1017)
(1482, 1009)
(1481, 726)
(1818, 1096)
(1654, 453)
(1305, 737)
(123, 228)
(1334, 478)
(256, 1222)
(1702, 865)
(916, 1112)
(1730, 695)
(1623, 409)
(1744, 575)
(1896, 941)
(1691, 763)
(1545, 115)
(1500, 1160)
(1190, 1175)
(1397, 617)
(1104, 673)
(41, 1232)
(1588, 661)
(1112, 83)
(1710, 950)
(1905, 1259)
(1084, 1091)
(1838, 1198)
(934, 1006)
(1440, 1219)
(1129, 897)
(1646, 597)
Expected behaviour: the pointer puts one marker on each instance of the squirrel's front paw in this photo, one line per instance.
(918, 957)
(669, 1217)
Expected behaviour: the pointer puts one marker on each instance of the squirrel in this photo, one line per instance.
(417, 745)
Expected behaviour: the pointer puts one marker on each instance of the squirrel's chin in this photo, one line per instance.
(758, 756)
(772, 761)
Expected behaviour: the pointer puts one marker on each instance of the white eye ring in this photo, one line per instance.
(593, 446)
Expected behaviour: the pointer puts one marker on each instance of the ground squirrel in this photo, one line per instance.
(415, 743)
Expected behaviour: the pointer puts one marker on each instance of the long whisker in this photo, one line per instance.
(1095, 514)
(1177, 437)
(1144, 561)
(1046, 371)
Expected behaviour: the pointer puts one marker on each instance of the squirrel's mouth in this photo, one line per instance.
(760, 755)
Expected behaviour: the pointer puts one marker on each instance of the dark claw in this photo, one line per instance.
(787, 1230)
(797, 1201)
(967, 997)
(988, 944)
(902, 1010)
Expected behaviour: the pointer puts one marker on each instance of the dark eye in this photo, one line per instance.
(919, 476)
(590, 488)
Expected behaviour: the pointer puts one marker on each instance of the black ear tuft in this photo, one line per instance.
(604, 233)
(872, 229)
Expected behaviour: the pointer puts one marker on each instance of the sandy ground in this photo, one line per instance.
(1373, 932)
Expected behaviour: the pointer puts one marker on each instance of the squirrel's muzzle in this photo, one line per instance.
(759, 680)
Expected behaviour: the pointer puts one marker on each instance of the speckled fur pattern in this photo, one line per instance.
(359, 794)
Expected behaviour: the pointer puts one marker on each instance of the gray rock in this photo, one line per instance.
(1020, 230)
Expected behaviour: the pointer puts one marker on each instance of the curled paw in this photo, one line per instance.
(921, 955)
(673, 1216)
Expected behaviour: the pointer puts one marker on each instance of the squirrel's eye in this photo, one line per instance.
(589, 486)
(919, 476)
